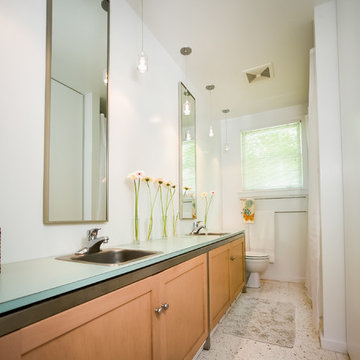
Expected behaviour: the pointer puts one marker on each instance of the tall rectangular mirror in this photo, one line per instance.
(76, 111)
(187, 131)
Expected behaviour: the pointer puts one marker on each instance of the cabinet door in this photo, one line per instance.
(119, 325)
(184, 325)
(219, 283)
(237, 268)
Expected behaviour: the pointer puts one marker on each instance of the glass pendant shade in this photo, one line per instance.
(211, 131)
(226, 147)
(105, 76)
(211, 128)
(187, 108)
(142, 64)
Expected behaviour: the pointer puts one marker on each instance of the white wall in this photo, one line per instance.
(143, 131)
(349, 74)
(331, 185)
(290, 247)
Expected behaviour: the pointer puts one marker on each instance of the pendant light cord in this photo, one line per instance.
(186, 80)
(142, 25)
(226, 132)
(210, 109)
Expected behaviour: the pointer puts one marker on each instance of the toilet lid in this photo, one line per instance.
(256, 255)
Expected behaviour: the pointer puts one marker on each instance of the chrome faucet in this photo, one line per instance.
(94, 242)
(197, 227)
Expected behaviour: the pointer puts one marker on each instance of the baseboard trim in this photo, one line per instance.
(284, 278)
(332, 345)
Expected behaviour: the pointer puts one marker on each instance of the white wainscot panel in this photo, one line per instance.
(290, 247)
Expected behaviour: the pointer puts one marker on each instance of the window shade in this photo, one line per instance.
(272, 158)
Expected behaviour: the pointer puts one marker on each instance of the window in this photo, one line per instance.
(271, 158)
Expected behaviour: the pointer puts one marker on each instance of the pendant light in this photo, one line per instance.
(143, 62)
(226, 147)
(105, 77)
(211, 129)
(186, 106)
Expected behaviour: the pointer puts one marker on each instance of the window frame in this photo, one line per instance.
(280, 192)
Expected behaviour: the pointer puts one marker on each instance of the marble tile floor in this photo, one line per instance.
(306, 347)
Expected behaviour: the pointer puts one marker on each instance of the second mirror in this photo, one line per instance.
(187, 131)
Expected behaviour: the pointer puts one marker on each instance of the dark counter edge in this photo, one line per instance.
(19, 318)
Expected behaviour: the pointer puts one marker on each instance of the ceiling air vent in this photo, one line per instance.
(259, 73)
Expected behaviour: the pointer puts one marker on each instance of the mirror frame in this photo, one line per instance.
(180, 111)
(46, 198)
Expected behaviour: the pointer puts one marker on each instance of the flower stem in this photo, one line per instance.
(207, 207)
(163, 214)
(206, 211)
(151, 214)
(174, 217)
(136, 220)
(152, 204)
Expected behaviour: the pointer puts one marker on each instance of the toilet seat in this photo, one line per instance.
(256, 255)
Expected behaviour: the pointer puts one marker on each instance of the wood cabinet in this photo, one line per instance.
(184, 326)
(226, 277)
(219, 288)
(236, 268)
(123, 324)
(164, 316)
(119, 325)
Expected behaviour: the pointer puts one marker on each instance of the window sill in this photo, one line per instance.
(274, 194)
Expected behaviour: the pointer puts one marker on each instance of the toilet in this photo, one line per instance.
(256, 263)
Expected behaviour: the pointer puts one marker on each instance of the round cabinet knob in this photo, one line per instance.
(162, 308)
(158, 310)
(232, 258)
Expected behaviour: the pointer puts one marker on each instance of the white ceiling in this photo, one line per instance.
(229, 36)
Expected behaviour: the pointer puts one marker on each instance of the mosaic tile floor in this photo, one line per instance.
(306, 347)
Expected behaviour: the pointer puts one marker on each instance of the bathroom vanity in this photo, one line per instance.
(162, 307)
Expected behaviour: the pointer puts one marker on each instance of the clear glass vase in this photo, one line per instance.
(137, 230)
(164, 227)
(174, 226)
(149, 228)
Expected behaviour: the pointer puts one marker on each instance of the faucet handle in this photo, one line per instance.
(196, 223)
(93, 233)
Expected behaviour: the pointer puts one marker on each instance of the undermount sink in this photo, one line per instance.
(115, 256)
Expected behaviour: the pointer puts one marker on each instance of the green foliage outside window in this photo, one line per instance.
(272, 158)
